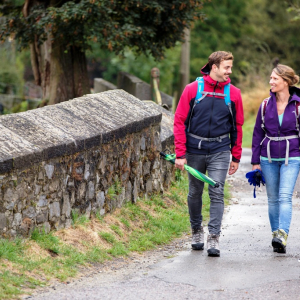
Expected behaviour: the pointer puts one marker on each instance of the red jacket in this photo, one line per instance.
(210, 118)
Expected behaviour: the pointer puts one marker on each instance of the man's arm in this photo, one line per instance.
(236, 134)
(181, 114)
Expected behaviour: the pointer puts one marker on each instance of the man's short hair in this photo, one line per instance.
(217, 57)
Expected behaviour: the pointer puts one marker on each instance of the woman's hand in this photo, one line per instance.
(255, 167)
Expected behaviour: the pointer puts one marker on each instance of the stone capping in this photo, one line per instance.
(166, 135)
(70, 127)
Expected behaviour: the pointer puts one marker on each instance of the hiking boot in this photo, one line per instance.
(279, 241)
(274, 235)
(213, 245)
(197, 238)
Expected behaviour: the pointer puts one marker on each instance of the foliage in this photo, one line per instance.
(223, 28)
(148, 26)
(294, 9)
(275, 29)
(11, 71)
(140, 66)
(257, 32)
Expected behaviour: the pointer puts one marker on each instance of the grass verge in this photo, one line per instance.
(29, 263)
(248, 131)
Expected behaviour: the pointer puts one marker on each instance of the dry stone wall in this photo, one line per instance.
(88, 155)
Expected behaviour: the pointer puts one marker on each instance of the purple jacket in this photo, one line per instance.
(273, 129)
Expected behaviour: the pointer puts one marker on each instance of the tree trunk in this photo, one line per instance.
(62, 74)
(184, 65)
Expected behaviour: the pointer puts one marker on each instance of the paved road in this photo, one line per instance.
(247, 268)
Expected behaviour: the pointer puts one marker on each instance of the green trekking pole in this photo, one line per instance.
(171, 158)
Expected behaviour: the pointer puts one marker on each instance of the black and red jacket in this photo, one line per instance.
(210, 118)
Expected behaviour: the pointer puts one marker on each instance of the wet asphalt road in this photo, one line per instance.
(247, 268)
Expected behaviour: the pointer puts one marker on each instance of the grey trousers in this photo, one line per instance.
(216, 166)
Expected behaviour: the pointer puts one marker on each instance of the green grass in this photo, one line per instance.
(79, 219)
(11, 250)
(110, 238)
(46, 241)
(248, 131)
(114, 190)
(117, 230)
(135, 227)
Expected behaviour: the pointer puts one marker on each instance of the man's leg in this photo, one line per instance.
(195, 200)
(217, 167)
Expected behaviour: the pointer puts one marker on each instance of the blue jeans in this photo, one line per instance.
(216, 166)
(280, 183)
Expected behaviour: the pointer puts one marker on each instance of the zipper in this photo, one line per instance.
(279, 143)
(188, 130)
(230, 111)
(211, 113)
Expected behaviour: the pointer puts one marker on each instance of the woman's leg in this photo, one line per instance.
(271, 173)
(288, 177)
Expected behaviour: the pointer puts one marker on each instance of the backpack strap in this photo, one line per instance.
(200, 89)
(227, 93)
(201, 94)
(297, 113)
(263, 112)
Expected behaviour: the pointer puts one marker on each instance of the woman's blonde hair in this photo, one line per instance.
(287, 74)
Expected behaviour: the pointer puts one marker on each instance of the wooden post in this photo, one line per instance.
(155, 93)
(184, 65)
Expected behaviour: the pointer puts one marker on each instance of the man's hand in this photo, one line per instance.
(179, 163)
(233, 167)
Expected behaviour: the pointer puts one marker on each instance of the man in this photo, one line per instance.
(206, 128)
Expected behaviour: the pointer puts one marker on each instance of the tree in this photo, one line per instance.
(257, 32)
(225, 27)
(59, 32)
(294, 9)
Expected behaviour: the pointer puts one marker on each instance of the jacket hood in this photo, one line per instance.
(205, 71)
(294, 92)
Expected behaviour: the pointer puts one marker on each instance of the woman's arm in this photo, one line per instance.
(258, 136)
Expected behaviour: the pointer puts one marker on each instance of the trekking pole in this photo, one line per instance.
(171, 158)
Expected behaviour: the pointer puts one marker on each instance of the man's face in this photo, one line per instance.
(222, 72)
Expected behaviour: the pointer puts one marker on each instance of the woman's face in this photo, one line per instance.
(277, 83)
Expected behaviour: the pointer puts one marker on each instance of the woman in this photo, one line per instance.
(275, 149)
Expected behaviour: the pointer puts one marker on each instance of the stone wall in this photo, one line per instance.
(91, 154)
(133, 85)
(139, 88)
(101, 85)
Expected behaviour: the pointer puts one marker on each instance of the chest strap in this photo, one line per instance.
(215, 139)
(278, 139)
